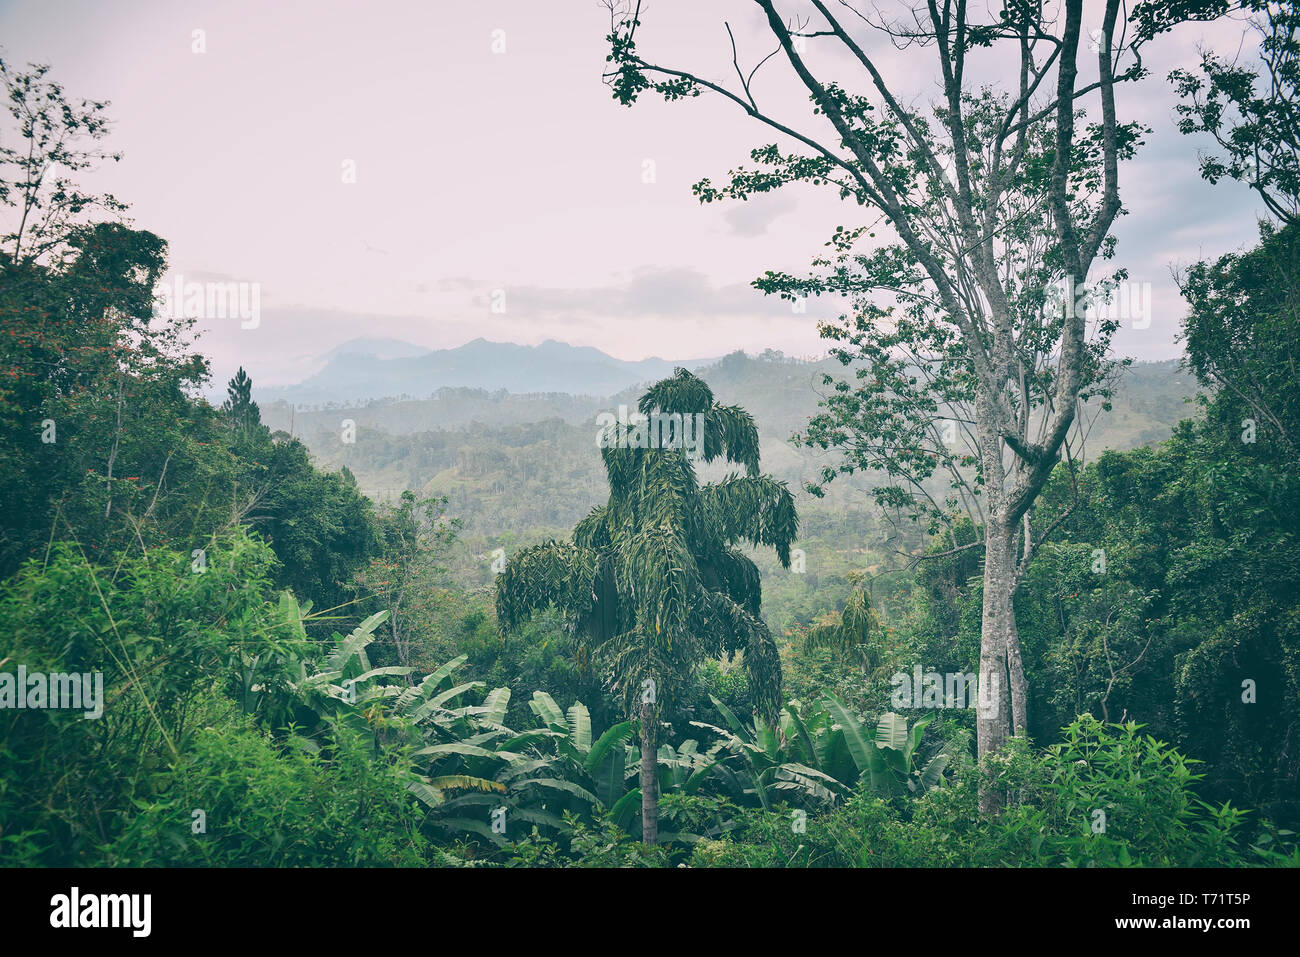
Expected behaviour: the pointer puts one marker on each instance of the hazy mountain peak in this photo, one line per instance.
(379, 348)
(373, 368)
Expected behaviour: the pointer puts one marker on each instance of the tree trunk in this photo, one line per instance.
(993, 723)
(649, 774)
(1000, 664)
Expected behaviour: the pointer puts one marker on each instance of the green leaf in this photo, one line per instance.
(914, 736)
(933, 772)
(495, 704)
(891, 731)
(445, 696)
(555, 784)
(457, 747)
(732, 721)
(466, 782)
(580, 726)
(624, 811)
(544, 707)
(857, 743)
(610, 739)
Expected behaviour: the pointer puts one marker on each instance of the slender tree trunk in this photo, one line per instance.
(1003, 705)
(1019, 686)
(112, 457)
(993, 726)
(649, 774)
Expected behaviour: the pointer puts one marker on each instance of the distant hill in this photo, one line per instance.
(365, 369)
(525, 442)
(781, 393)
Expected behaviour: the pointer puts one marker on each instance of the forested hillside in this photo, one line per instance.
(511, 479)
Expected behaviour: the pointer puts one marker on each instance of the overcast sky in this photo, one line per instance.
(479, 170)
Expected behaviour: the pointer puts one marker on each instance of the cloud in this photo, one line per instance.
(752, 217)
(651, 293)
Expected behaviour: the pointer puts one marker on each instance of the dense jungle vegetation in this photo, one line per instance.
(532, 651)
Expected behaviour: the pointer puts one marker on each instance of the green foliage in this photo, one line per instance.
(1255, 124)
(1169, 595)
(106, 445)
(267, 806)
(166, 639)
(404, 578)
(1153, 818)
(813, 758)
(600, 843)
(855, 636)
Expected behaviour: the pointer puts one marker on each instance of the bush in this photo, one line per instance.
(266, 807)
(1143, 787)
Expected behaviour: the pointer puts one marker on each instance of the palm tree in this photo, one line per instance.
(653, 582)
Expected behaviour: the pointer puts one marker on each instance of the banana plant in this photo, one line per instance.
(769, 763)
(816, 759)
(611, 763)
(886, 756)
(602, 763)
(545, 771)
(342, 691)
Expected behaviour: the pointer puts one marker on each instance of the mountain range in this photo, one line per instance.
(363, 369)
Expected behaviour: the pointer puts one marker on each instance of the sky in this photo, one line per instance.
(386, 169)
